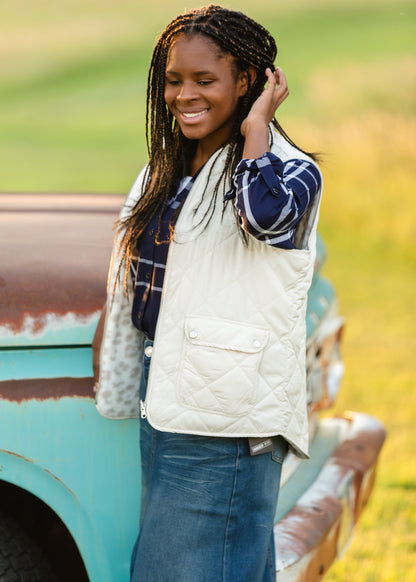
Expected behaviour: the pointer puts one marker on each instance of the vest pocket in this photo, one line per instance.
(219, 365)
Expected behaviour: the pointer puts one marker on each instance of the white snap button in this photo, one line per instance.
(148, 351)
(256, 343)
(193, 334)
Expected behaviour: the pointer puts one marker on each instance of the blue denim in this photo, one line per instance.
(207, 508)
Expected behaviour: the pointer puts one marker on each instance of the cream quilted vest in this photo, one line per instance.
(229, 352)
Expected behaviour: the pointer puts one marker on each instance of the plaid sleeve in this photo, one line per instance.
(271, 196)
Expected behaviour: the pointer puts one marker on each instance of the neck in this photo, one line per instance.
(202, 154)
(197, 162)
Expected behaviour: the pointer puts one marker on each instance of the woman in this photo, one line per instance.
(204, 335)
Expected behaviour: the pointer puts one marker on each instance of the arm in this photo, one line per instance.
(255, 127)
(272, 196)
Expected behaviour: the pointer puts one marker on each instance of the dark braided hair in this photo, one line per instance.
(252, 46)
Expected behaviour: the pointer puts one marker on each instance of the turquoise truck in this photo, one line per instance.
(69, 478)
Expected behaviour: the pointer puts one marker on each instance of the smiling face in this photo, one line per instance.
(202, 90)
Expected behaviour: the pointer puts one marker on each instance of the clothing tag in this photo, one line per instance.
(260, 445)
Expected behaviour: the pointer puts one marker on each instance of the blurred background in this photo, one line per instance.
(72, 97)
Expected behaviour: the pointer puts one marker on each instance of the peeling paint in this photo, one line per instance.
(61, 247)
(311, 535)
(46, 389)
(50, 329)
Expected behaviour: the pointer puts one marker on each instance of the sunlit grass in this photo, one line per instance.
(73, 78)
(367, 219)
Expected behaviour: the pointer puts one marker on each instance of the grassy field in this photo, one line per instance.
(72, 85)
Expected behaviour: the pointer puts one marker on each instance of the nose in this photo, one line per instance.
(187, 91)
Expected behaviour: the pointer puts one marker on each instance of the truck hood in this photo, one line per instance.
(54, 255)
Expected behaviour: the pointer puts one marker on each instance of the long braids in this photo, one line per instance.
(251, 45)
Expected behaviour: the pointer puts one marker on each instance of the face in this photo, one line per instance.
(202, 90)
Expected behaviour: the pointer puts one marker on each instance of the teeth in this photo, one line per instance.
(190, 115)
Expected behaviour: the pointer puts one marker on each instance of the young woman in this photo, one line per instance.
(204, 335)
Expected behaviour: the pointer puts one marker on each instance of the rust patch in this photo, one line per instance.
(27, 296)
(304, 528)
(323, 556)
(360, 454)
(361, 451)
(46, 389)
(55, 252)
(307, 537)
(327, 350)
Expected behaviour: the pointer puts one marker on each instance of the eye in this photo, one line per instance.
(204, 82)
(172, 82)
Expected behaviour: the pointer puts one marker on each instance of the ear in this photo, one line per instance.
(247, 79)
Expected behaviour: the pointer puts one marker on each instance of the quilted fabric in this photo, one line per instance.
(229, 353)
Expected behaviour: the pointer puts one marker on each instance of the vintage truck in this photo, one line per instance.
(70, 479)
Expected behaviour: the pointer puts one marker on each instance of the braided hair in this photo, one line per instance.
(251, 46)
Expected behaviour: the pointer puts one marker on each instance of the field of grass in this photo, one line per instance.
(72, 85)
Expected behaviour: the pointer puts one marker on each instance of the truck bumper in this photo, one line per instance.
(322, 498)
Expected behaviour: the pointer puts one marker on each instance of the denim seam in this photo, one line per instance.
(225, 552)
(270, 562)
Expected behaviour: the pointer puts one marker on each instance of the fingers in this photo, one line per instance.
(271, 81)
(281, 81)
(277, 86)
(264, 108)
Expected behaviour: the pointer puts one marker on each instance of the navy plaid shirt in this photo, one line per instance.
(271, 197)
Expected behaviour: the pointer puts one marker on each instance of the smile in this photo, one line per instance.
(194, 115)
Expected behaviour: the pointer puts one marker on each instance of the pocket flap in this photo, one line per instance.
(225, 334)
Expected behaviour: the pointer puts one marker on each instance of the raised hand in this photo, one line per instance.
(255, 127)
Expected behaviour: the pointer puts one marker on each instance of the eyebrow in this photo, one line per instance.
(197, 73)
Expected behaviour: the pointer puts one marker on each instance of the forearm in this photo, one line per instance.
(256, 140)
(255, 128)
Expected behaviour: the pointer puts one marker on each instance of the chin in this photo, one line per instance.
(191, 133)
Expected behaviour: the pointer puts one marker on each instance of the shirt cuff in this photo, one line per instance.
(257, 164)
(263, 165)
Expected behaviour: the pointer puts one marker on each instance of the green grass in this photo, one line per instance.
(72, 86)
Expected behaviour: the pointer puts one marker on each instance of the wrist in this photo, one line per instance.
(254, 126)
(256, 140)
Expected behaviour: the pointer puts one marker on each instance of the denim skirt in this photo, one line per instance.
(207, 507)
